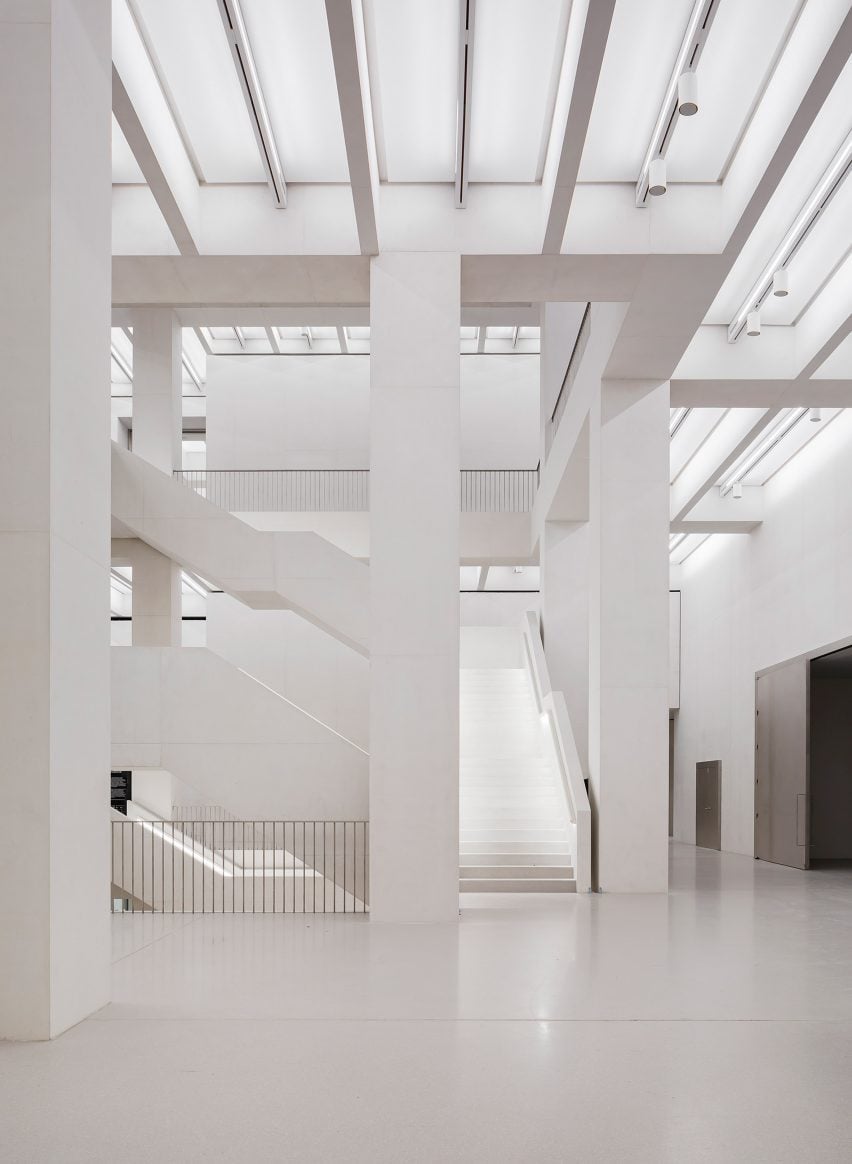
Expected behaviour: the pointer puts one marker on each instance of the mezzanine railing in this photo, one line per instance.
(240, 866)
(348, 490)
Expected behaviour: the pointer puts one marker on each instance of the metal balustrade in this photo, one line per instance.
(240, 866)
(348, 490)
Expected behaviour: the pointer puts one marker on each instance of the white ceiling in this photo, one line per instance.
(759, 58)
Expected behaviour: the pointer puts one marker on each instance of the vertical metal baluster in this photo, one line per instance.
(123, 864)
(344, 867)
(203, 868)
(314, 866)
(364, 879)
(253, 870)
(304, 864)
(274, 865)
(133, 867)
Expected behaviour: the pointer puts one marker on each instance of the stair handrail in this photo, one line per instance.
(551, 704)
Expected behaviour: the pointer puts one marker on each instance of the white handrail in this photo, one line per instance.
(552, 705)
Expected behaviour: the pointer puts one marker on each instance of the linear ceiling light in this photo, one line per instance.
(190, 370)
(681, 100)
(119, 583)
(122, 364)
(752, 457)
(191, 582)
(774, 279)
(676, 419)
(675, 540)
(235, 30)
(467, 9)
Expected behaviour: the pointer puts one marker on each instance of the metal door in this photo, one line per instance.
(781, 766)
(708, 804)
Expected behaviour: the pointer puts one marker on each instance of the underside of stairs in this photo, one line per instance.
(513, 834)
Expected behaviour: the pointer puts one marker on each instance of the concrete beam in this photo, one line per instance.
(761, 393)
(176, 208)
(240, 281)
(587, 74)
(716, 514)
(354, 114)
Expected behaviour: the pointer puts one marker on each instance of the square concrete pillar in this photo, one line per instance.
(157, 387)
(414, 581)
(158, 439)
(628, 640)
(55, 207)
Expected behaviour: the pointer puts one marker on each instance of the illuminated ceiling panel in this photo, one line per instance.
(734, 67)
(412, 51)
(190, 45)
(643, 43)
(125, 168)
(292, 52)
(821, 250)
(517, 59)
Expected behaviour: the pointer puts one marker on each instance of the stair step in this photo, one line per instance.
(511, 872)
(525, 859)
(512, 836)
(549, 849)
(517, 885)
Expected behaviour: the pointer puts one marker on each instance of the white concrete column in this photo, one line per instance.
(157, 387)
(628, 645)
(55, 205)
(157, 437)
(414, 582)
(156, 596)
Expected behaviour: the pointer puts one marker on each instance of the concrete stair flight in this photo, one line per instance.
(513, 818)
(266, 570)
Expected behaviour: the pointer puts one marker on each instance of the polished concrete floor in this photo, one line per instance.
(713, 1024)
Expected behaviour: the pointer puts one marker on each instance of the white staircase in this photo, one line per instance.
(513, 818)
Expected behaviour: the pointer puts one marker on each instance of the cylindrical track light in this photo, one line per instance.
(657, 177)
(753, 323)
(687, 93)
(781, 282)
(737, 491)
(816, 415)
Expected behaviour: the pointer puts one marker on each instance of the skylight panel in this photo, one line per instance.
(516, 66)
(412, 51)
(195, 62)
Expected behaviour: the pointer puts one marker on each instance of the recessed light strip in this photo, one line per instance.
(687, 58)
(822, 194)
(755, 455)
(235, 30)
(676, 419)
(467, 12)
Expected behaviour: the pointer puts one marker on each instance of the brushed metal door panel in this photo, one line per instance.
(708, 804)
(781, 766)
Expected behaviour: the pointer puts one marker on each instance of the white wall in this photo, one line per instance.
(288, 412)
(484, 609)
(229, 738)
(312, 412)
(751, 601)
(152, 789)
(296, 659)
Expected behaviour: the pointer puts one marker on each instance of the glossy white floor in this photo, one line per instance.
(712, 1024)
